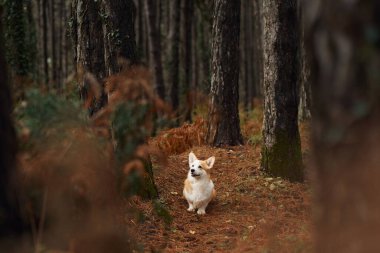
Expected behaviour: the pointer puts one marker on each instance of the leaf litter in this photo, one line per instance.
(251, 213)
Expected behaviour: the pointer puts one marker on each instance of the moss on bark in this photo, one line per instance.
(283, 158)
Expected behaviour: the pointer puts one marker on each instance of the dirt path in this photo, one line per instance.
(251, 213)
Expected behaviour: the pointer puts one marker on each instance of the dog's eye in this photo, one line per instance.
(192, 166)
(200, 167)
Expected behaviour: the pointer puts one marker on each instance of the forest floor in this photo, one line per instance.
(251, 213)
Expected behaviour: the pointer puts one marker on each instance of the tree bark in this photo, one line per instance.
(74, 31)
(281, 151)
(194, 58)
(119, 33)
(223, 118)
(251, 88)
(53, 44)
(246, 54)
(188, 13)
(155, 47)
(89, 45)
(258, 48)
(344, 46)
(243, 54)
(146, 38)
(175, 19)
(204, 28)
(61, 35)
(304, 109)
(140, 29)
(38, 17)
(167, 12)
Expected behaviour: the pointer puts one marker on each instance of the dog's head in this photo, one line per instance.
(199, 168)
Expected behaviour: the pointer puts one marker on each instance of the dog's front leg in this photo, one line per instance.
(191, 207)
(202, 210)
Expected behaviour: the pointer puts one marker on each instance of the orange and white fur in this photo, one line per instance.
(199, 188)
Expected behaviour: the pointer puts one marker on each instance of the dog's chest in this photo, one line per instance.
(200, 190)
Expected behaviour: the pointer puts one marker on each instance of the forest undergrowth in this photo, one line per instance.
(83, 181)
(251, 213)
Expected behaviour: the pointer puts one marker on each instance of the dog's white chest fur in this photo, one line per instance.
(200, 192)
(199, 188)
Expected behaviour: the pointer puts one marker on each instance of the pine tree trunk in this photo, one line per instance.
(243, 54)
(194, 59)
(201, 53)
(223, 119)
(38, 18)
(146, 38)
(61, 34)
(304, 109)
(251, 89)
(258, 55)
(155, 46)
(175, 20)
(246, 71)
(345, 87)
(188, 12)
(167, 11)
(119, 33)
(53, 44)
(281, 151)
(45, 42)
(74, 31)
(89, 45)
(31, 39)
(140, 29)
(204, 32)
(67, 45)
(159, 16)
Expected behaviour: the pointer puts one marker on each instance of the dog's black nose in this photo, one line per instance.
(192, 170)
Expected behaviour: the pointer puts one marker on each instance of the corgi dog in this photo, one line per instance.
(199, 188)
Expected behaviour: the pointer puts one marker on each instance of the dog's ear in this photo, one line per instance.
(210, 162)
(192, 158)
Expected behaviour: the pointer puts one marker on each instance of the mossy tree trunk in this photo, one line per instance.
(281, 151)
(344, 45)
(223, 118)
